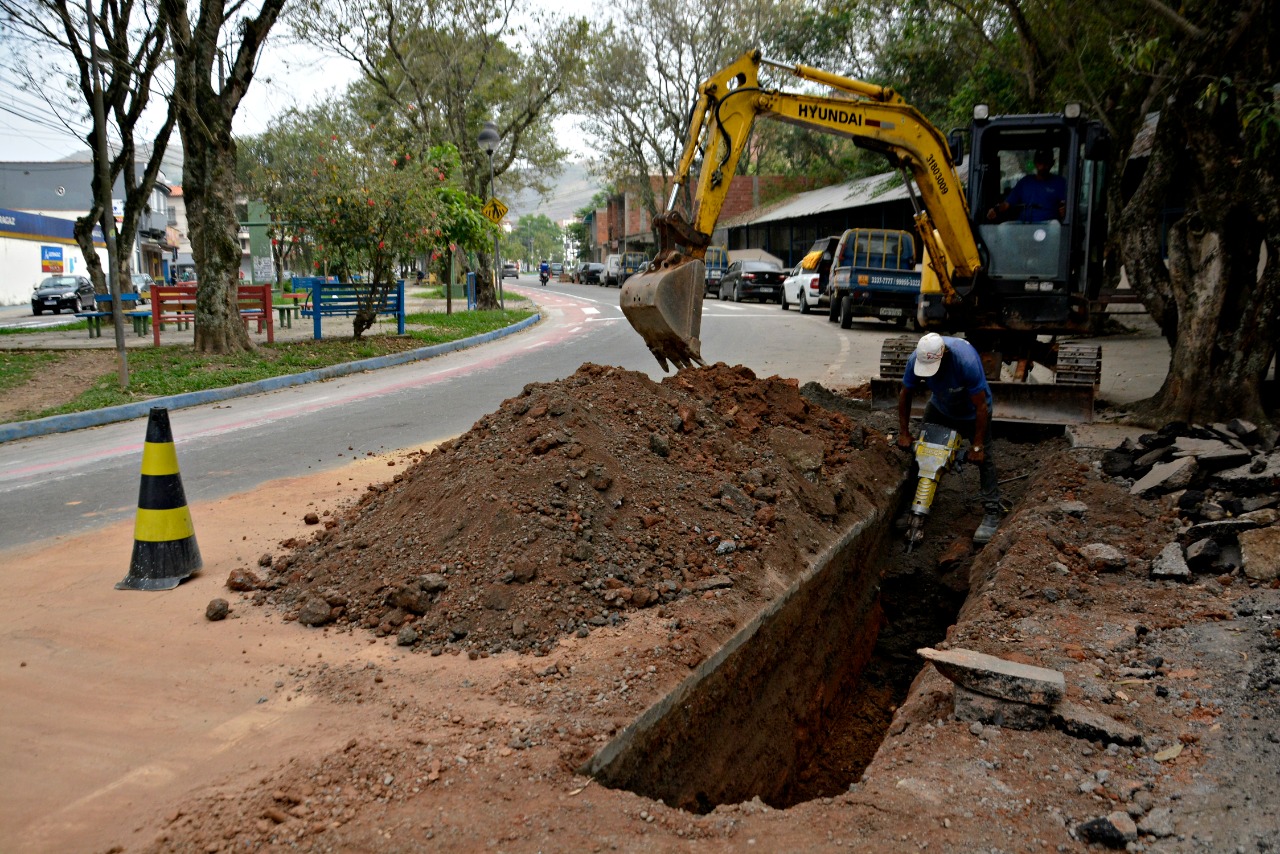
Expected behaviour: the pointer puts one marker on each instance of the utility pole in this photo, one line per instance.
(488, 142)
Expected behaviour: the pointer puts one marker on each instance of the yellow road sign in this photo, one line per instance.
(494, 210)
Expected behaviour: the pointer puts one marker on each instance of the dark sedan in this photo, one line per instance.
(760, 280)
(590, 273)
(74, 293)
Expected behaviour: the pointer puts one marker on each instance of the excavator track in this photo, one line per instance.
(1078, 364)
(894, 354)
(1068, 400)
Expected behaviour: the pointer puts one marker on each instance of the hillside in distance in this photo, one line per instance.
(570, 192)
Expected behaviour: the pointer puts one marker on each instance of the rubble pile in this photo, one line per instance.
(1222, 479)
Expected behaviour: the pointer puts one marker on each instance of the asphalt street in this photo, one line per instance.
(71, 482)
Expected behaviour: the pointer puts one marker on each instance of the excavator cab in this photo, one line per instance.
(1035, 194)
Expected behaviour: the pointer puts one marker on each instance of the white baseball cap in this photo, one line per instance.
(929, 355)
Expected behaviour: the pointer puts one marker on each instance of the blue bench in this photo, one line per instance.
(329, 299)
(103, 304)
(95, 321)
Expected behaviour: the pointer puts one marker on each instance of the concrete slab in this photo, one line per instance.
(1101, 436)
(997, 677)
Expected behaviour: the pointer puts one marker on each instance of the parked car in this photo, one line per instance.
(510, 270)
(140, 284)
(618, 267)
(590, 273)
(802, 288)
(760, 280)
(612, 271)
(556, 269)
(819, 259)
(74, 293)
(716, 262)
(632, 263)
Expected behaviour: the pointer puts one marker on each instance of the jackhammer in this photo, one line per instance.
(936, 451)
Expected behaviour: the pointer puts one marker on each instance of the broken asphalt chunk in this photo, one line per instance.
(997, 677)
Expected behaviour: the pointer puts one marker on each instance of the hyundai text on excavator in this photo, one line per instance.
(1011, 287)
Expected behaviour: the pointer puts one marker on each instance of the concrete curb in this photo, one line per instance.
(128, 411)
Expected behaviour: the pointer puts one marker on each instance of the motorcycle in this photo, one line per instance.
(542, 277)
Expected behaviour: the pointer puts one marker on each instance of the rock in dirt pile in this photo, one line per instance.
(578, 502)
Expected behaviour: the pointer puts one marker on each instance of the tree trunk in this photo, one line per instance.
(83, 231)
(204, 117)
(486, 292)
(209, 182)
(1217, 299)
(367, 314)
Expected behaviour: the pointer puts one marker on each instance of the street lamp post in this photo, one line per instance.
(488, 142)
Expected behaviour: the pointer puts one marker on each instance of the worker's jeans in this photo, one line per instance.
(988, 482)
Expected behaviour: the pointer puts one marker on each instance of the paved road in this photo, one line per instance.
(67, 483)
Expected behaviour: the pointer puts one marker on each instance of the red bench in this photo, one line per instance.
(177, 304)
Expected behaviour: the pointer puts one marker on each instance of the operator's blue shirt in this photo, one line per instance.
(1040, 200)
(959, 377)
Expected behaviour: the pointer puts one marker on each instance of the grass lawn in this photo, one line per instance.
(163, 371)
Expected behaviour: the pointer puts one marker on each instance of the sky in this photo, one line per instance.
(287, 76)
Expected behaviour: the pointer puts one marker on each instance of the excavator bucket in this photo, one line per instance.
(664, 304)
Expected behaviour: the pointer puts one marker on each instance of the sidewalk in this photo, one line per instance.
(332, 327)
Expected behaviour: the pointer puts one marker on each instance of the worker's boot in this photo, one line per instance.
(987, 530)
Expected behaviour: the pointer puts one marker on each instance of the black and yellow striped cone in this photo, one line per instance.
(164, 540)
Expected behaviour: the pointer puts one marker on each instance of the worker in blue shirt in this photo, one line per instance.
(1042, 196)
(951, 369)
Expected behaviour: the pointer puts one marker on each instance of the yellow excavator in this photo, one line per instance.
(1011, 279)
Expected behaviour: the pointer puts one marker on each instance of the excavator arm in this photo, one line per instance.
(664, 304)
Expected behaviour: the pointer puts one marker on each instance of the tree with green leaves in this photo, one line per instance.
(269, 168)
(362, 208)
(437, 71)
(1213, 70)
(534, 238)
(123, 46)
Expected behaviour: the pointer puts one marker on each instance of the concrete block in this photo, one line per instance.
(1101, 557)
(1083, 722)
(1260, 553)
(997, 677)
(1170, 564)
(972, 706)
(1166, 477)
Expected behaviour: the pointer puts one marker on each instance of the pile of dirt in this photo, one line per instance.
(581, 501)
(620, 530)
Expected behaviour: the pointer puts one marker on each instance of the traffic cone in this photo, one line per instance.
(164, 540)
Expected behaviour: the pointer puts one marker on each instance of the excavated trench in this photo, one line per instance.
(796, 704)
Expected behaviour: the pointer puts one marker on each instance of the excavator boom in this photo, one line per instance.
(664, 303)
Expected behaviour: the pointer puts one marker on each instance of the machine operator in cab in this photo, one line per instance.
(1041, 196)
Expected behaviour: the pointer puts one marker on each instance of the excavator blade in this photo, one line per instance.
(1058, 403)
(1069, 400)
(664, 304)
